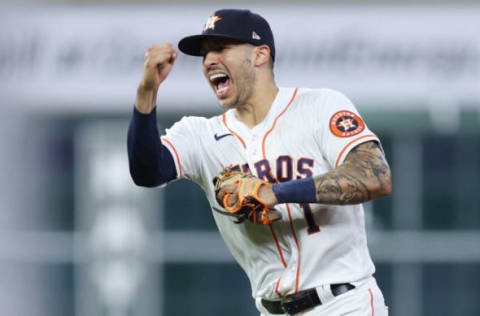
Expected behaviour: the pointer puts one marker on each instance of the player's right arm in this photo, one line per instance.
(150, 162)
(158, 63)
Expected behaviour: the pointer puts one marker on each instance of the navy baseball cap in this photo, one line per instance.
(241, 25)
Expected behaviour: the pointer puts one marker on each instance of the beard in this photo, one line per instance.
(244, 82)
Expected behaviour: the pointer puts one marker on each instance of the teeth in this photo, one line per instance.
(221, 90)
(215, 76)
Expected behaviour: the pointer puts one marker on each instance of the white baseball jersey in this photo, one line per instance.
(306, 133)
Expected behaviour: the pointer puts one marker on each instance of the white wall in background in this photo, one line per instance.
(89, 58)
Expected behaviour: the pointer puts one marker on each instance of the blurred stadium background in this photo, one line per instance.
(78, 238)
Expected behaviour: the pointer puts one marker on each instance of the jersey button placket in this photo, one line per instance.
(253, 145)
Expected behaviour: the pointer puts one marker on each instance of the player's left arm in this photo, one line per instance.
(364, 175)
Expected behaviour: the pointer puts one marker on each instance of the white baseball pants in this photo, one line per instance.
(365, 299)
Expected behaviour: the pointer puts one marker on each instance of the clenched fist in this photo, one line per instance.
(158, 63)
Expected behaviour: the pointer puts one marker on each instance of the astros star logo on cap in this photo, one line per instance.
(210, 24)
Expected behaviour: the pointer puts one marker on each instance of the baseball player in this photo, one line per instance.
(310, 148)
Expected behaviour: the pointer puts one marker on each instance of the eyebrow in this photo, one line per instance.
(209, 44)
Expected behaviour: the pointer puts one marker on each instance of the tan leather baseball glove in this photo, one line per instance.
(246, 202)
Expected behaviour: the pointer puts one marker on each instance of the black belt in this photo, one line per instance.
(303, 300)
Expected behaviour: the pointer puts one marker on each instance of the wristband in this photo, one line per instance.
(296, 191)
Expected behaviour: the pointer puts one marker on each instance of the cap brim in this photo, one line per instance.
(192, 45)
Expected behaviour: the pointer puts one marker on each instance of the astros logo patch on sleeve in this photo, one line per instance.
(346, 124)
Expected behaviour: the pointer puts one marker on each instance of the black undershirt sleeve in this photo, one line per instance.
(151, 163)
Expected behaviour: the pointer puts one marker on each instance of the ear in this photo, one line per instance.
(262, 55)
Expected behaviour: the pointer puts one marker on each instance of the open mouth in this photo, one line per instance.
(222, 83)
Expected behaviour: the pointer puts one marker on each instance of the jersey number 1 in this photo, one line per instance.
(307, 212)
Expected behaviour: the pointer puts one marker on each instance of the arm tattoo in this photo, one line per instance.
(363, 176)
